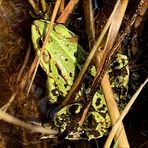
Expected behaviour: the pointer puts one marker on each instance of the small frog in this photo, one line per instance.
(62, 60)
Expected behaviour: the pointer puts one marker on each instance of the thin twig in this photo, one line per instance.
(61, 9)
(123, 114)
(114, 111)
(21, 86)
(10, 119)
(67, 11)
(45, 41)
(6, 106)
(24, 63)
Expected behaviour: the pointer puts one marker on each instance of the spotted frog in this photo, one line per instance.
(62, 60)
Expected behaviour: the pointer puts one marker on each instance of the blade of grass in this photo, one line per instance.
(34, 6)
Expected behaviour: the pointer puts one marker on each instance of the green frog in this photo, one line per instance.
(62, 60)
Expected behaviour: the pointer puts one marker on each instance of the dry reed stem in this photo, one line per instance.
(67, 11)
(123, 114)
(24, 63)
(89, 21)
(61, 9)
(6, 106)
(10, 119)
(114, 111)
(108, 94)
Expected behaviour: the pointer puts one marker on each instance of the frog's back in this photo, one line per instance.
(62, 47)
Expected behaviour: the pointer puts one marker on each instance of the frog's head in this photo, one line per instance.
(38, 30)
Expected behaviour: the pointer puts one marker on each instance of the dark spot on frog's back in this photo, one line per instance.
(89, 119)
(72, 109)
(98, 101)
(103, 114)
(55, 92)
(83, 134)
(92, 123)
(66, 59)
(102, 108)
(114, 64)
(70, 74)
(65, 85)
(40, 42)
(117, 90)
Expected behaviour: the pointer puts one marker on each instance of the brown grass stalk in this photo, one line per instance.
(113, 111)
(67, 11)
(10, 119)
(123, 114)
